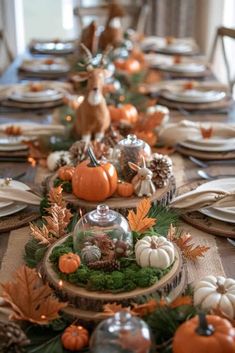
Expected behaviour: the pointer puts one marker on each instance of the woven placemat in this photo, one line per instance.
(220, 105)
(205, 155)
(203, 222)
(19, 219)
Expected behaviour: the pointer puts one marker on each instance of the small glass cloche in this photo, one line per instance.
(121, 333)
(101, 233)
(130, 149)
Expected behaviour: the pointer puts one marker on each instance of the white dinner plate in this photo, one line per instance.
(11, 209)
(52, 47)
(14, 184)
(193, 95)
(212, 141)
(209, 148)
(14, 140)
(37, 66)
(10, 148)
(178, 48)
(183, 68)
(222, 214)
(36, 97)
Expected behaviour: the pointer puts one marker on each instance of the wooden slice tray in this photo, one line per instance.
(162, 196)
(89, 304)
(18, 219)
(205, 155)
(203, 222)
(222, 104)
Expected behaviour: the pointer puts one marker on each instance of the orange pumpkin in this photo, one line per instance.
(69, 263)
(94, 181)
(130, 65)
(205, 334)
(66, 172)
(75, 338)
(126, 112)
(125, 189)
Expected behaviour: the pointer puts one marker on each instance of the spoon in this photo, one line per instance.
(205, 164)
(207, 176)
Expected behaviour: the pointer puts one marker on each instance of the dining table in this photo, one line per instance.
(221, 257)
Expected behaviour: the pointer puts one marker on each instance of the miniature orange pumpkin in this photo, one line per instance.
(69, 263)
(75, 338)
(131, 65)
(94, 181)
(125, 189)
(126, 112)
(205, 334)
(66, 172)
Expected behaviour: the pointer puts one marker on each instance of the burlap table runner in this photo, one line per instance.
(210, 264)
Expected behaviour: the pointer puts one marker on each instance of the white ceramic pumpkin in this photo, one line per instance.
(57, 159)
(154, 251)
(212, 292)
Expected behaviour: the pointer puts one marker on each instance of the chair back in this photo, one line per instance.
(221, 34)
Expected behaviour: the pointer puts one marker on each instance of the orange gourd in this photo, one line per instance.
(125, 189)
(69, 263)
(130, 65)
(93, 180)
(125, 112)
(75, 338)
(65, 173)
(205, 334)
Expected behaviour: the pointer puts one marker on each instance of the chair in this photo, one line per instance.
(136, 15)
(221, 34)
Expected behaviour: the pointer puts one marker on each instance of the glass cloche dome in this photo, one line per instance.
(103, 228)
(130, 149)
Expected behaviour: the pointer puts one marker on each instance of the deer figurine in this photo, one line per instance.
(89, 37)
(113, 33)
(93, 117)
(142, 181)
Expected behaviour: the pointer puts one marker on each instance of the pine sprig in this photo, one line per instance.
(165, 217)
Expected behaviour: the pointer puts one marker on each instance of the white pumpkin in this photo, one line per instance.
(154, 251)
(212, 292)
(57, 159)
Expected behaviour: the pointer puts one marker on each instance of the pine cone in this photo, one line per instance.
(12, 338)
(112, 137)
(161, 167)
(105, 265)
(78, 152)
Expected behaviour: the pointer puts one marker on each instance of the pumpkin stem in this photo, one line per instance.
(93, 160)
(220, 288)
(204, 329)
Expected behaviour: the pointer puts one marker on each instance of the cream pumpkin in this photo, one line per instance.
(212, 292)
(154, 251)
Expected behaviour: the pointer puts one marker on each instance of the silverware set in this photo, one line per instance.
(205, 164)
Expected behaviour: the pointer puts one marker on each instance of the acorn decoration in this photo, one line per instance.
(120, 249)
(90, 253)
(161, 167)
(105, 265)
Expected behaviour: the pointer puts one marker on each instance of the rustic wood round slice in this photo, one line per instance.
(203, 222)
(90, 303)
(162, 196)
(205, 155)
(222, 104)
(19, 219)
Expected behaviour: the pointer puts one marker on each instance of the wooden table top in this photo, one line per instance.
(226, 250)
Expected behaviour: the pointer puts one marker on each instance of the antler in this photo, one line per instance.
(88, 54)
(105, 54)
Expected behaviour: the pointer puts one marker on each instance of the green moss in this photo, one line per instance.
(66, 185)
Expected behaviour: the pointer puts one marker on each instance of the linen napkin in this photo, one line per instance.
(174, 133)
(12, 194)
(197, 199)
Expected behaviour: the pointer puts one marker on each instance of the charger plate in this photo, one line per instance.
(205, 155)
(202, 221)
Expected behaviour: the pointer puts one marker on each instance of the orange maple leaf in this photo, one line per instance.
(187, 247)
(30, 299)
(183, 300)
(146, 308)
(112, 308)
(139, 221)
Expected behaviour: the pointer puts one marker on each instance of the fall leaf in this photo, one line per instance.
(147, 136)
(206, 132)
(30, 299)
(41, 234)
(139, 221)
(184, 242)
(111, 309)
(183, 300)
(144, 309)
(58, 220)
(55, 195)
(168, 150)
